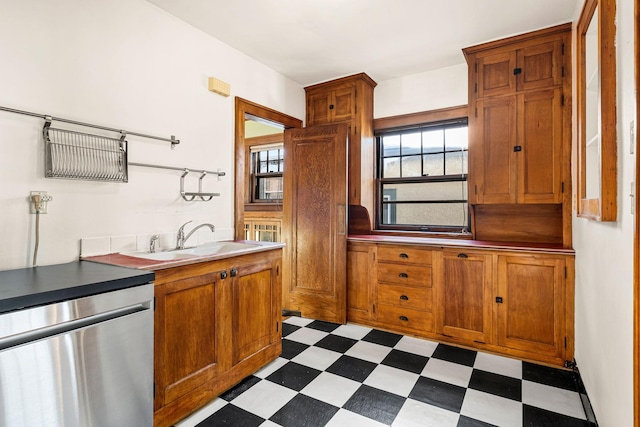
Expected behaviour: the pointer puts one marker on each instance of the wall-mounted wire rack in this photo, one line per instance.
(80, 155)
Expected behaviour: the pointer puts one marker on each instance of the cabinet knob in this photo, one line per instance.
(499, 300)
(403, 275)
(404, 298)
(223, 274)
(403, 255)
(331, 107)
(234, 272)
(463, 256)
(404, 318)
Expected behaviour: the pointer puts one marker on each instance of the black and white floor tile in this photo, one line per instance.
(349, 375)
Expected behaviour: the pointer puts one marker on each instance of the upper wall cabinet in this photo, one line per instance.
(349, 100)
(519, 90)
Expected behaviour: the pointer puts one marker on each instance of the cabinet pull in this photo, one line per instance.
(403, 255)
(403, 275)
(404, 318)
(517, 71)
(404, 298)
(499, 300)
(331, 107)
(463, 256)
(223, 274)
(234, 272)
(517, 148)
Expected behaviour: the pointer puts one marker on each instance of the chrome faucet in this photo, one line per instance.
(152, 243)
(181, 238)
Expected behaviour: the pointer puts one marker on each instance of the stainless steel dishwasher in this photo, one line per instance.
(86, 362)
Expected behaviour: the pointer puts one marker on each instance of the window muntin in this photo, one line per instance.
(267, 165)
(422, 177)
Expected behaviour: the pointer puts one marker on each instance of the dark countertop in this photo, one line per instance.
(29, 287)
(461, 243)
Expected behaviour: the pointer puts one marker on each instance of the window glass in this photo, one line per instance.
(266, 173)
(422, 177)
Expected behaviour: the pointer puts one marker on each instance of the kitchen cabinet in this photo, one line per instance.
(216, 322)
(530, 304)
(315, 222)
(464, 294)
(517, 97)
(403, 288)
(360, 288)
(516, 302)
(520, 134)
(349, 100)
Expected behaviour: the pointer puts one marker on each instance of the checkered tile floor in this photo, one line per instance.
(348, 375)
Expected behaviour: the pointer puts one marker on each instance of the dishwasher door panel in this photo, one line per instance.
(98, 375)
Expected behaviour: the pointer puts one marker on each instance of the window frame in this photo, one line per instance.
(255, 175)
(440, 117)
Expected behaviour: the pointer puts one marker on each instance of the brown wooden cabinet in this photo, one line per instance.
(360, 285)
(349, 100)
(517, 101)
(520, 132)
(403, 300)
(517, 303)
(531, 314)
(464, 295)
(216, 322)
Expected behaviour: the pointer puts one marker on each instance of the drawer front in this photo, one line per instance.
(404, 296)
(400, 318)
(405, 254)
(404, 274)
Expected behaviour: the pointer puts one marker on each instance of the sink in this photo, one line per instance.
(218, 248)
(205, 250)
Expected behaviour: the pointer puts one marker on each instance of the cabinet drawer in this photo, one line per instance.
(404, 318)
(404, 274)
(404, 296)
(405, 254)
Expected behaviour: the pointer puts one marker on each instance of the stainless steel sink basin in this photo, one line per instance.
(205, 250)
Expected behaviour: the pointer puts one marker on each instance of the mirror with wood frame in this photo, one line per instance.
(597, 143)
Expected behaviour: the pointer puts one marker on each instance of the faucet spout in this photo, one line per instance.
(182, 238)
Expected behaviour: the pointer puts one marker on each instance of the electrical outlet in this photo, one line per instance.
(38, 201)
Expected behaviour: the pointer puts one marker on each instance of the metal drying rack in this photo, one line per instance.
(188, 196)
(79, 155)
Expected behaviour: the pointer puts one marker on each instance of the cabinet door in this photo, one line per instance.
(343, 105)
(186, 341)
(531, 316)
(493, 156)
(496, 74)
(315, 222)
(359, 282)
(256, 308)
(318, 112)
(463, 300)
(540, 65)
(540, 138)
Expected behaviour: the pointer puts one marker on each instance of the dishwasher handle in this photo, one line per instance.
(61, 328)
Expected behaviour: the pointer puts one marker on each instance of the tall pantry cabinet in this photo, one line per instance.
(349, 100)
(520, 135)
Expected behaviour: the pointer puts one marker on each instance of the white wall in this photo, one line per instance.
(125, 64)
(441, 88)
(604, 267)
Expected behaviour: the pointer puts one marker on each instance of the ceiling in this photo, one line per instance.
(317, 40)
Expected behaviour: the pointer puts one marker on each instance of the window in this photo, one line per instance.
(267, 163)
(422, 177)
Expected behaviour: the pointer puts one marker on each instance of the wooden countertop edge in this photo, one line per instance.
(461, 243)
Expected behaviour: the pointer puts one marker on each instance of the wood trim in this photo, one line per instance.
(509, 41)
(347, 79)
(264, 139)
(605, 207)
(636, 244)
(243, 106)
(442, 114)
